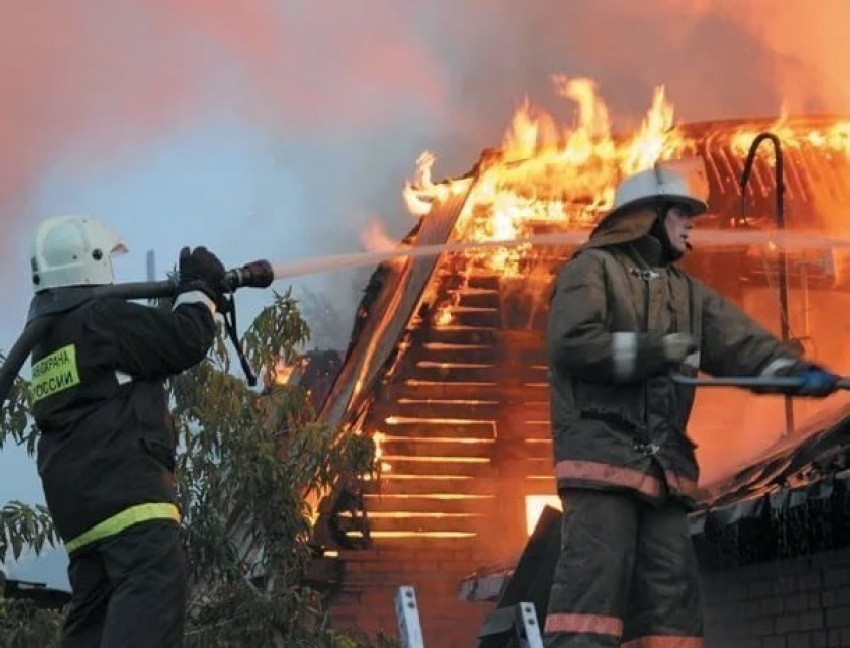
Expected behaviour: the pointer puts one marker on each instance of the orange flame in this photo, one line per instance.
(655, 139)
(835, 138)
(378, 438)
(546, 173)
(444, 315)
(282, 372)
(420, 192)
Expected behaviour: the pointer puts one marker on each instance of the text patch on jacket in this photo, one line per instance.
(55, 373)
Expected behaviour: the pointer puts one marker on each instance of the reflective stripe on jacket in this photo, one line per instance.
(122, 521)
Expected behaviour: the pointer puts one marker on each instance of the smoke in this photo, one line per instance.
(349, 93)
(99, 73)
(810, 62)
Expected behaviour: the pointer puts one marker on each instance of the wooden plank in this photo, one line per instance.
(528, 411)
(535, 433)
(454, 335)
(419, 523)
(436, 409)
(489, 318)
(484, 280)
(424, 543)
(515, 424)
(453, 373)
(406, 502)
(432, 484)
(541, 486)
(495, 374)
(445, 466)
(535, 355)
(426, 429)
(533, 373)
(520, 451)
(480, 298)
(517, 392)
(527, 466)
(495, 368)
(442, 352)
(522, 340)
(405, 448)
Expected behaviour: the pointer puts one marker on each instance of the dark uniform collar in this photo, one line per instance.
(650, 251)
(60, 300)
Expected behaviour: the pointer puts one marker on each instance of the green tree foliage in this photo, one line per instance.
(23, 625)
(21, 525)
(252, 464)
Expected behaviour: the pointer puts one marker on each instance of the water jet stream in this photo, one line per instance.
(795, 240)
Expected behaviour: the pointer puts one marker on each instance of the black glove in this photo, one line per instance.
(814, 381)
(201, 270)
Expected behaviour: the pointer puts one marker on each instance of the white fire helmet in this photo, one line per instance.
(73, 251)
(681, 181)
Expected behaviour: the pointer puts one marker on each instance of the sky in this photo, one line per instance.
(281, 129)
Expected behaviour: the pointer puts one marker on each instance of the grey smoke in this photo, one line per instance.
(350, 95)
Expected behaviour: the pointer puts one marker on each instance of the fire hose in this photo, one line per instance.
(255, 274)
(786, 383)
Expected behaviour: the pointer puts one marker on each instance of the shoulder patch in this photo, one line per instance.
(55, 373)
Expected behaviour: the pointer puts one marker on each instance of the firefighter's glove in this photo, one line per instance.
(818, 383)
(678, 346)
(201, 270)
(813, 381)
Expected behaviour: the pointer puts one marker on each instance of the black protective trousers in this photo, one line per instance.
(626, 575)
(129, 591)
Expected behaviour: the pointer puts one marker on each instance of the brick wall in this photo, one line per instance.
(799, 603)
(366, 599)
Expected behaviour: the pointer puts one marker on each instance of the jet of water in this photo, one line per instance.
(788, 240)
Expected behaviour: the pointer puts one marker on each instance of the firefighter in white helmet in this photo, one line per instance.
(622, 317)
(106, 453)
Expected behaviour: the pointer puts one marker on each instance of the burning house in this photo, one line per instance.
(446, 368)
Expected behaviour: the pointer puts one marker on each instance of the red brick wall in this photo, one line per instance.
(366, 600)
(801, 603)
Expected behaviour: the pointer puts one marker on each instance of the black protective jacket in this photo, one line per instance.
(619, 421)
(107, 441)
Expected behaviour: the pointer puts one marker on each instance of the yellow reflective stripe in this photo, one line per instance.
(121, 521)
